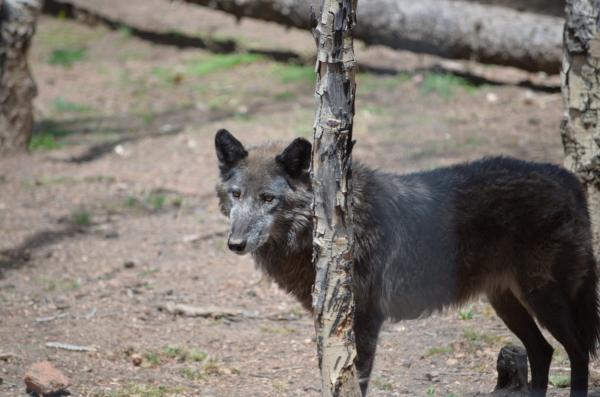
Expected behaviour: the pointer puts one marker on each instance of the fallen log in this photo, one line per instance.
(447, 28)
(547, 7)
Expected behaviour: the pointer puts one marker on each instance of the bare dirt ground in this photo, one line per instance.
(113, 215)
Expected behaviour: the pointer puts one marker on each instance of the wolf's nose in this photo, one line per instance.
(237, 245)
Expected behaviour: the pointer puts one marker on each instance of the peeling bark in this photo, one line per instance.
(447, 28)
(580, 81)
(331, 178)
(17, 88)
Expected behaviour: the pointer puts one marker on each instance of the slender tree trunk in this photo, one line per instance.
(451, 29)
(17, 88)
(580, 79)
(331, 178)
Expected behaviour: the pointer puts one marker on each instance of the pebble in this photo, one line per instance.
(136, 359)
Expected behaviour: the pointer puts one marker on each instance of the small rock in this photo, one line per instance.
(111, 234)
(451, 362)
(121, 151)
(190, 238)
(491, 97)
(417, 78)
(529, 98)
(61, 302)
(136, 359)
(44, 379)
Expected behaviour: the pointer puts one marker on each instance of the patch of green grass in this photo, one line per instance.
(156, 200)
(148, 272)
(480, 337)
(560, 381)
(211, 367)
(141, 390)
(205, 66)
(280, 387)
(192, 373)
(221, 62)
(444, 85)
(369, 82)
(376, 110)
(65, 33)
(43, 142)
(430, 391)
(60, 284)
(304, 131)
(559, 355)
(175, 352)
(151, 359)
(148, 118)
(132, 202)
(466, 313)
(382, 385)
(277, 330)
(62, 105)
(81, 217)
(438, 350)
(196, 355)
(284, 96)
(47, 139)
(473, 142)
(218, 101)
(125, 32)
(295, 73)
(67, 56)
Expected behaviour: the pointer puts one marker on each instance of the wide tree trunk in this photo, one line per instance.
(331, 179)
(448, 28)
(580, 128)
(17, 88)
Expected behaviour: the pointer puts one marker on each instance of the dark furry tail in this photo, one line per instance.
(587, 317)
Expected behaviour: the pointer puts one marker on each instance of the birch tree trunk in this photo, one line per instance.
(17, 88)
(333, 300)
(580, 82)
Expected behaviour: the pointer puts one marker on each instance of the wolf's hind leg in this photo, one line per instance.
(366, 330)
(520, 322)
(554, 311)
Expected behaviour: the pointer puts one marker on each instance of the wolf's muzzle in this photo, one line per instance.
(237, 246)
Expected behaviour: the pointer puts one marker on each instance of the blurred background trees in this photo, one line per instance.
(17, 87)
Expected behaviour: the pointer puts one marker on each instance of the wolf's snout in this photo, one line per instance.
(237, 245)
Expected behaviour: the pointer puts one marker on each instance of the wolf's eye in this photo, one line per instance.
(268, 198)
(236, 193)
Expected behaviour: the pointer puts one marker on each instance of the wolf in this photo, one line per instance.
(515, 231)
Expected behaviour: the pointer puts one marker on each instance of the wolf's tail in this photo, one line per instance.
(586, 305)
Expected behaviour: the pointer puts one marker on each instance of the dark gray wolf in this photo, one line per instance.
(516, 231)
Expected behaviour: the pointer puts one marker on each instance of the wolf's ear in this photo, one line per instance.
(229, 150)
(295, 159)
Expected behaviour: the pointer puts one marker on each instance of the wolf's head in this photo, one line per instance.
(265, 192)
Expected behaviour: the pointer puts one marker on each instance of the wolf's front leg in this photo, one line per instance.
(366, 330)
